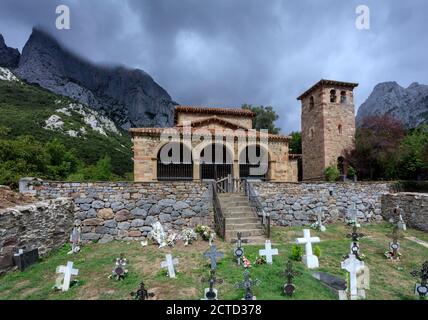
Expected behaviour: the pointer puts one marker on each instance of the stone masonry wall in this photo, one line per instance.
(295, 204)
(45, 225)
(126, 210)
(414, 208)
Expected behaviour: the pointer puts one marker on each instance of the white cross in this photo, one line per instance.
(352, 265)
(307, 240)
(169, 263)
(268, 252)
(68, 271)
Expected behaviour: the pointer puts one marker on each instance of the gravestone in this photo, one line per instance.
(268, 252)
(120, 271)
(211, 293)
(23, 259)
(336, 284)
(397, 216)
(355, 246)
(421, 289)
(363, 278)
(169, 264)
(239, 250)
(309, 258)
(142, 293)
(394, 245)
(75, 240)
(352, 265)
(66, 272)
(353, 214)
(289, 287)
(213, 255)
(248, 284)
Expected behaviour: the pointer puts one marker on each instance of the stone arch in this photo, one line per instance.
(218, 163)
(178, 168)
(244, 165)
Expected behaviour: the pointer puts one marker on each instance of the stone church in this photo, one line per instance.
(328, 128)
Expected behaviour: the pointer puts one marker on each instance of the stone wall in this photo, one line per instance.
(295, 204)
(45, 225)
(414, 208)
(126, 210)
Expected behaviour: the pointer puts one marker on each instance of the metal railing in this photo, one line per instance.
(219, 219)
(257, 205)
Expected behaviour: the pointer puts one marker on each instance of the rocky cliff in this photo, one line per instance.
(131, 98)
(410, 105)
(9, 58)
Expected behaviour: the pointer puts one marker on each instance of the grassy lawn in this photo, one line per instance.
(388, 280)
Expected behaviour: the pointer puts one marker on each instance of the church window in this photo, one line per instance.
(343, 97)
(339, 128)
(333, 96)
(311, 103)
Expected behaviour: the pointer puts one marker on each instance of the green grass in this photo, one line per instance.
(24, 109)
(388, 280)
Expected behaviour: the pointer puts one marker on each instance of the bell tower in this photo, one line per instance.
(328, 127)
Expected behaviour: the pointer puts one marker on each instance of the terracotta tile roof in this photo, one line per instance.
(157, 131)
(214, 119)
(324, 82)
(206, 110)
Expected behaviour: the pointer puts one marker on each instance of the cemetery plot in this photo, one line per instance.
(388, 280)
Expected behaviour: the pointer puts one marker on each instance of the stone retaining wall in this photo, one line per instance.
(44, 225)
(294, 204)
(414, 208)
(126, 210)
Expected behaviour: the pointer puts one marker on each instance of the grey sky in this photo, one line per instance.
(229, 52)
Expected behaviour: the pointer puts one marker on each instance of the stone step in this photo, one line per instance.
(250, 240)
(243, 226)
(237, 203)
(240, 208)
(245, 233)
(237, 220)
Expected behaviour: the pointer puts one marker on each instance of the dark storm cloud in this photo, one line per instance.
(228, 52)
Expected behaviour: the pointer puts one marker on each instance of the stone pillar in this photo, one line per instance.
(235, 169)
(196, 170)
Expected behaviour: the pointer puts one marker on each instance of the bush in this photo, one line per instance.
(332, 173)
(317, 251)
(296, 253)
(351, 172)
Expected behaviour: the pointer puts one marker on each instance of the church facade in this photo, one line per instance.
(211, 143)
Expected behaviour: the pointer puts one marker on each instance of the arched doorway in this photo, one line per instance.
(179, 167)
(248, 169)
(341, 165)
(216, 162)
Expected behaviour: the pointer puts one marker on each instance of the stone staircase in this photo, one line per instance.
(241, 217)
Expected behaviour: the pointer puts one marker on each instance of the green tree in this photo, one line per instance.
(296, 143)
(412, 153)
(265, 118)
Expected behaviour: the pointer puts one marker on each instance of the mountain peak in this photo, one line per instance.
(409, 105)
(9, 57)
(130, 97)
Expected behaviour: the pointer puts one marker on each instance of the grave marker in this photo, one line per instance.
(355, 247)
(211, 293)
(247, 284)
(24, 259)
(75, 240)
(309, 258)
(352, 265)
(120, 271)
(169, 264)
(142, 293)
(421, 289)
(213, 254)
(63, 281)
(268, 252)
(239, 250)
(289, 287)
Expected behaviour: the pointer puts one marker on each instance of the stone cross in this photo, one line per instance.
(247, 284)
(268, 252)
(63, 281)
(75, 240)
(309, 258)
(422, 288)
(354, 215)
(289, 287)
(169, 264)
(352, 265)
(213, 255)
(239, 251)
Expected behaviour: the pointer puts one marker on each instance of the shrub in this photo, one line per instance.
(351, 172)
(331, 173)
(296, 253)
(317, 251)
